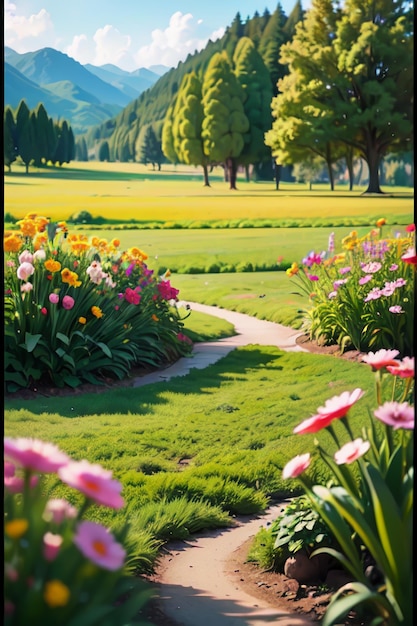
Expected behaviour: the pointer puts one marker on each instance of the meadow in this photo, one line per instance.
(194, 451)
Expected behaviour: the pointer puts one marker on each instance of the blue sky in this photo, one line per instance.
(127, 33)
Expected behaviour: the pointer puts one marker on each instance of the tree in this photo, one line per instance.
(9, 138)
(349, 83)
(273, 37)
(187, 123)
(24, 134)
(103, 152)
(150, 149)
(225, 123)
(167, 137)
(254, 78)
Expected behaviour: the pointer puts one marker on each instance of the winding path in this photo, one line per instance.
(193, 587)
(249, 330)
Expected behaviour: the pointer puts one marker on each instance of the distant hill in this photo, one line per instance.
(83, 95)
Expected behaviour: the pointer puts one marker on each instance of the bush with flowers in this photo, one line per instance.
(362, 297)
(368, 503)
(61, 568)
(79, 310)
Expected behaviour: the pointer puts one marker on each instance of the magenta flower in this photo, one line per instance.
(166, 291)
(132, 296)
(397, 415)
(403, 369)
(380, 359)
(35, 455)
(93, 481)
(98, 544)
(25, 270)
(296, 466)
(410, 228)
(53, 298)
(68, 302)
(351, 451)
(51, 546)
(57, 510)
(313, 277)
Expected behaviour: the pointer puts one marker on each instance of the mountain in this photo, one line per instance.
(83, 95)
(131, 84)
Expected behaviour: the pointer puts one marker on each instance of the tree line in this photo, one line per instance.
(35, 137)
(333, 84)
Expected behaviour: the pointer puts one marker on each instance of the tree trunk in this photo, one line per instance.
(372, 158)
(232, 172)
(247, 174)
(277, 174)
(349, 165)
(205, 174)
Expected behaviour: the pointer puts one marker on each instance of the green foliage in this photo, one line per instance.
(364, 296)
(69, 327)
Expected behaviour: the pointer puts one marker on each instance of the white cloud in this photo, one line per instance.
(173, 44)
(108, 45)
(26, 34)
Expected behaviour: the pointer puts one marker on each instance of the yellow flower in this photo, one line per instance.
(291, 271)
(96, 311)
(52, 266)
(381, 222)
(95, 242)
(12, 243)
(71, 278)
(82, 320)
(16, 528)
(56, 593)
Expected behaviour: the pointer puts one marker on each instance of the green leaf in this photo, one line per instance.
(31, 341)
(63, 338)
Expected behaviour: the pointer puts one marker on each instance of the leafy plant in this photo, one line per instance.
(368, 505)
(362, 297)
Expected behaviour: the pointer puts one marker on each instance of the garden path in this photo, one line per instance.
(193, 586)
(249, 330)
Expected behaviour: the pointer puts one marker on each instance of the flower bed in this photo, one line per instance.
(78, 309)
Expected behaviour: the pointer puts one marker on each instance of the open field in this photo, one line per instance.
(129, 191)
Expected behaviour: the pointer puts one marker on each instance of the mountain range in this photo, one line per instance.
(84, 95)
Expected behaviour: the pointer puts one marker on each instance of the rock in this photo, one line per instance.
(302, 568)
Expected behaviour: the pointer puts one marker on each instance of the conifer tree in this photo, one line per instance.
(9, 138)
(225, 123)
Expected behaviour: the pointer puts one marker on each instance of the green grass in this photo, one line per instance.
(176, 194)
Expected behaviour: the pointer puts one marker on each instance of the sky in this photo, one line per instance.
(130, 34)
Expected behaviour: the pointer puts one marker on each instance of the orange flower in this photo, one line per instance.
(96, 311)
(381, 222)
(12, 243)
(52, 266)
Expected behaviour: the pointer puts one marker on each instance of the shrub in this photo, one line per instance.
(78, 310)
(362, 297)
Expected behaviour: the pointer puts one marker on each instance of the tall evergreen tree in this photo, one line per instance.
(168, 148)
(187, 125)
(271, 41)
(225, 123)
(41, 134)
(9, 138)
(254, 78)
(24, 134)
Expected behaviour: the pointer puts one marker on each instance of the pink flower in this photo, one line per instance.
(381, 358)
(35, 455)
(44, 311)
(132, 296)
(13, 483)
(25, 257)
(365, 279)
(410, 257)
(334, 408)
(403, 369)
(396, 415)
(296, 466)
(372, 267)
(396, 309)
(51, 546)
(68, 302)
(98, 544)
(57, 510)
(166, 291)
(53, 298)
(25, 270)
(93, 481)
(410, 228)
(351, 451)
(26, 287)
